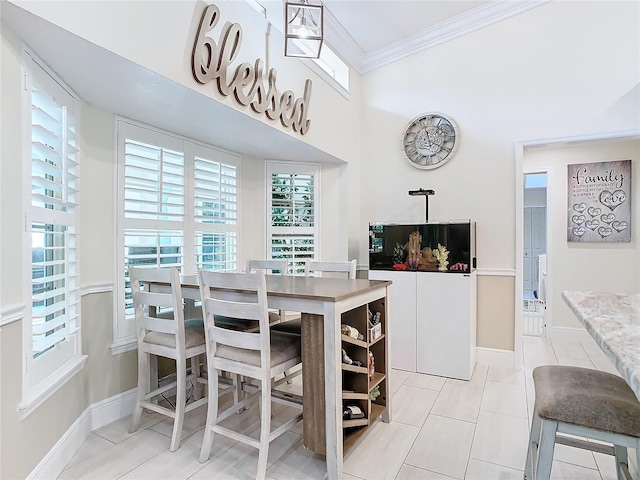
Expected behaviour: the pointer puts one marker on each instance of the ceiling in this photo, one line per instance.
(369, 34)
(374, 24)
(366, 33)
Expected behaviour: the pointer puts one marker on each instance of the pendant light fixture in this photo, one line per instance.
(304, 29)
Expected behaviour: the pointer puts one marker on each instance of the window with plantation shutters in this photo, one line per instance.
(293, 213)
(52, 220)
(177, 202)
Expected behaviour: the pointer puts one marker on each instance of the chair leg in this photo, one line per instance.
(143, 388)
(195, 370)
(532, 450)
(181, 401)
(545, 451)
(212, 414)
(265, 428)
(621, 459)
(238, 394)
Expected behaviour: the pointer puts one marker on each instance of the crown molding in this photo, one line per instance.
(470, 21)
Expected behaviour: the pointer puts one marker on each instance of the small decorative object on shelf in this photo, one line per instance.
(460, 267)
(374, 328)
(351, 332)
(352, 412)
(398, 254)
(442, 254)
(347, 359)
(374, 393)
(372, 368)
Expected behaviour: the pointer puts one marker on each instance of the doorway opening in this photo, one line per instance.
(534, 236)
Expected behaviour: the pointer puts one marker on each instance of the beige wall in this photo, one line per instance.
(495, 312)
(611, 267)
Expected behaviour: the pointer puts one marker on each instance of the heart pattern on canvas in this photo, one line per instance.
(592, 224)
(605, 231)
(620, 226)
(594, 211)
(612, 200)
(580, 207)
(578, 219)
(607, 217)
(578, 232)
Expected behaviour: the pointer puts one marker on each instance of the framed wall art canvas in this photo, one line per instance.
(599, 202)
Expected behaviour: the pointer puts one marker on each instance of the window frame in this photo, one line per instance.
(288, 168)
(124, 333)
(44, 374)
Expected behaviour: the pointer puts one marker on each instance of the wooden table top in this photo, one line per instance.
(311, 288)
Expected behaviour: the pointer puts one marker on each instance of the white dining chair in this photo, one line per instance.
(163, 332)
(311, 269)
(260, 355)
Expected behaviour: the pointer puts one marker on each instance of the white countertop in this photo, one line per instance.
(613, 320)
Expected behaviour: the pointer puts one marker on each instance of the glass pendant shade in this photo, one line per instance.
(304, 30)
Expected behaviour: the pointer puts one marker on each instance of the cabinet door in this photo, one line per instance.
(401, 324)
(445, 324)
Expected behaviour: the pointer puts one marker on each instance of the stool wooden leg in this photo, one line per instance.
(532, 450)
(545, 451)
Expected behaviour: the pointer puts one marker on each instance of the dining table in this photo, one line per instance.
(613, 320)
(321, 302)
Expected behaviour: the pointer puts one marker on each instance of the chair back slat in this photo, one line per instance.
(236, 295)
(154, 299)
(234, 309)
(157, 324)
(272, 266)
(348, 267)
(235, 338)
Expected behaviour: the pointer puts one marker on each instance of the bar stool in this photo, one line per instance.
(583, 402)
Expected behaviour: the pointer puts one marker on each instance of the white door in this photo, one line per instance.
(538, 239)
(527, 264)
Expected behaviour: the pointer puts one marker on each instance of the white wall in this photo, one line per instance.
(562, 69)
(106, 375)
(164, 40)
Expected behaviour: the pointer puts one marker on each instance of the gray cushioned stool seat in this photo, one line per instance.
(586, 397)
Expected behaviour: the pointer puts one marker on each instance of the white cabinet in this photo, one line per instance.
(402, 317)
(432, 322)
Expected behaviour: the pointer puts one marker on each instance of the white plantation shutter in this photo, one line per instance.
(178, 206)
(215, 214)
(52, 227)
(154, 182)
(292, 213)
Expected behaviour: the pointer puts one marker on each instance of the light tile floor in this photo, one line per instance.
(441, 429)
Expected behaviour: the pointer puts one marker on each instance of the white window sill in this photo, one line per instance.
(45, 389)
(124, 345)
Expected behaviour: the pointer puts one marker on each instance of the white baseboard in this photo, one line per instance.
(568, 334)
(495, 357)
(112, 409)
(53, 463)
(95, 416)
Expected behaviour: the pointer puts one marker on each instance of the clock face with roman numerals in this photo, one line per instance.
(430, 140)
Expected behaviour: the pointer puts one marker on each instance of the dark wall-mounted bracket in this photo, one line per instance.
(425, 193)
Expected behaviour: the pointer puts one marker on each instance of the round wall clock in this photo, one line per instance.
(430, 140)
